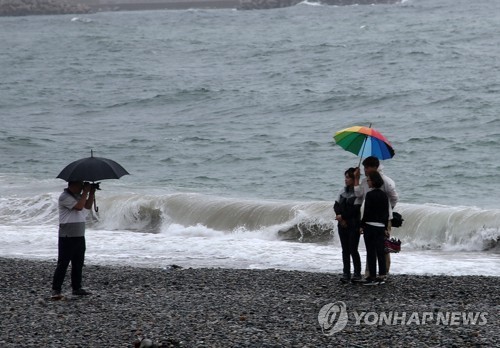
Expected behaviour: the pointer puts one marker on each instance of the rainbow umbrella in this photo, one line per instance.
(364, 142)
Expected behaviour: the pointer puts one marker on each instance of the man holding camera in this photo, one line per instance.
(74, 204)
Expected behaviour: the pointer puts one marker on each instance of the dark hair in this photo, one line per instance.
(350, 173)
(371, 162)
(376, 179)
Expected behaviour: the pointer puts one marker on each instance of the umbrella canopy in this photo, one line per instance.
(364, 142)
(92, 169)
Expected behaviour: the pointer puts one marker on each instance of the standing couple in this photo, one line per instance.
(365, 207)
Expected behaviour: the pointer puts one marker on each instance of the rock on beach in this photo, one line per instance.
(185, 307)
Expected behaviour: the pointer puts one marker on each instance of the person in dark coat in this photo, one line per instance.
(347, 216)
(376, 211)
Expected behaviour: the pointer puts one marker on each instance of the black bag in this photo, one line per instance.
(397, 219)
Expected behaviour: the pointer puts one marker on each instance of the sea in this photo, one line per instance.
(225, 121)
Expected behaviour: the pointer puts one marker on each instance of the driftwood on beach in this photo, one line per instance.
(40, 7)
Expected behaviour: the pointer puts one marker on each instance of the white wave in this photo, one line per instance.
(310, 3)
(195, 230)
(434, 226)
(200, 247)
(81, 19)
(33, 210)
(426, 227)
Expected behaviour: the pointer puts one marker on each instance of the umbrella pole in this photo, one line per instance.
(363, 148)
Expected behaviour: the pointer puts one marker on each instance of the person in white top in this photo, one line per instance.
(361, 187)
(389, 187)
(74, 205)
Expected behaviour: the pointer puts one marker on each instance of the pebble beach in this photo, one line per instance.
(193, 307)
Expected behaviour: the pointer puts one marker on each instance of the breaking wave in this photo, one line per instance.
(426, 227)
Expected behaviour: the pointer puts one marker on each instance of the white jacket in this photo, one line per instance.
(389, 188)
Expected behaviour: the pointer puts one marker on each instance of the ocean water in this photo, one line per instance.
(225, 121)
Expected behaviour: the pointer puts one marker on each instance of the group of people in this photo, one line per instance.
(364, 207)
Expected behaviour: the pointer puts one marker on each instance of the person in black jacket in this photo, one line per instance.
(374, 222)
(347, 216)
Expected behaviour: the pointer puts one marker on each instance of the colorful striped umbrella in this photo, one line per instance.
(364, 142)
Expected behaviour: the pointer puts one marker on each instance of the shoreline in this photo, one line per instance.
(50, 7)
(217, 307)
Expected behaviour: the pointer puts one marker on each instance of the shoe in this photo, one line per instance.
(56, 295)
(81, 292)
(380, 280)
(383, 278)
(356, 277)
(346, 278)
(370, 282)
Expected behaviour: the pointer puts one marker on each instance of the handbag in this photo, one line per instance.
(392, 245)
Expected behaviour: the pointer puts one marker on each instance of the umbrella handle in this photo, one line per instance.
(96, 208)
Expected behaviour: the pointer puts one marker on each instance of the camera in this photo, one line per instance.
(93, 185)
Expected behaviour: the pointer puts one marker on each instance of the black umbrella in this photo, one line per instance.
(92, 169)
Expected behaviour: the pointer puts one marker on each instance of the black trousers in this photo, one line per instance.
(349, 240)
(374, 242)
(70, 249)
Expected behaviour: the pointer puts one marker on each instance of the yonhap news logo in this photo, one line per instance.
(334, 317)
